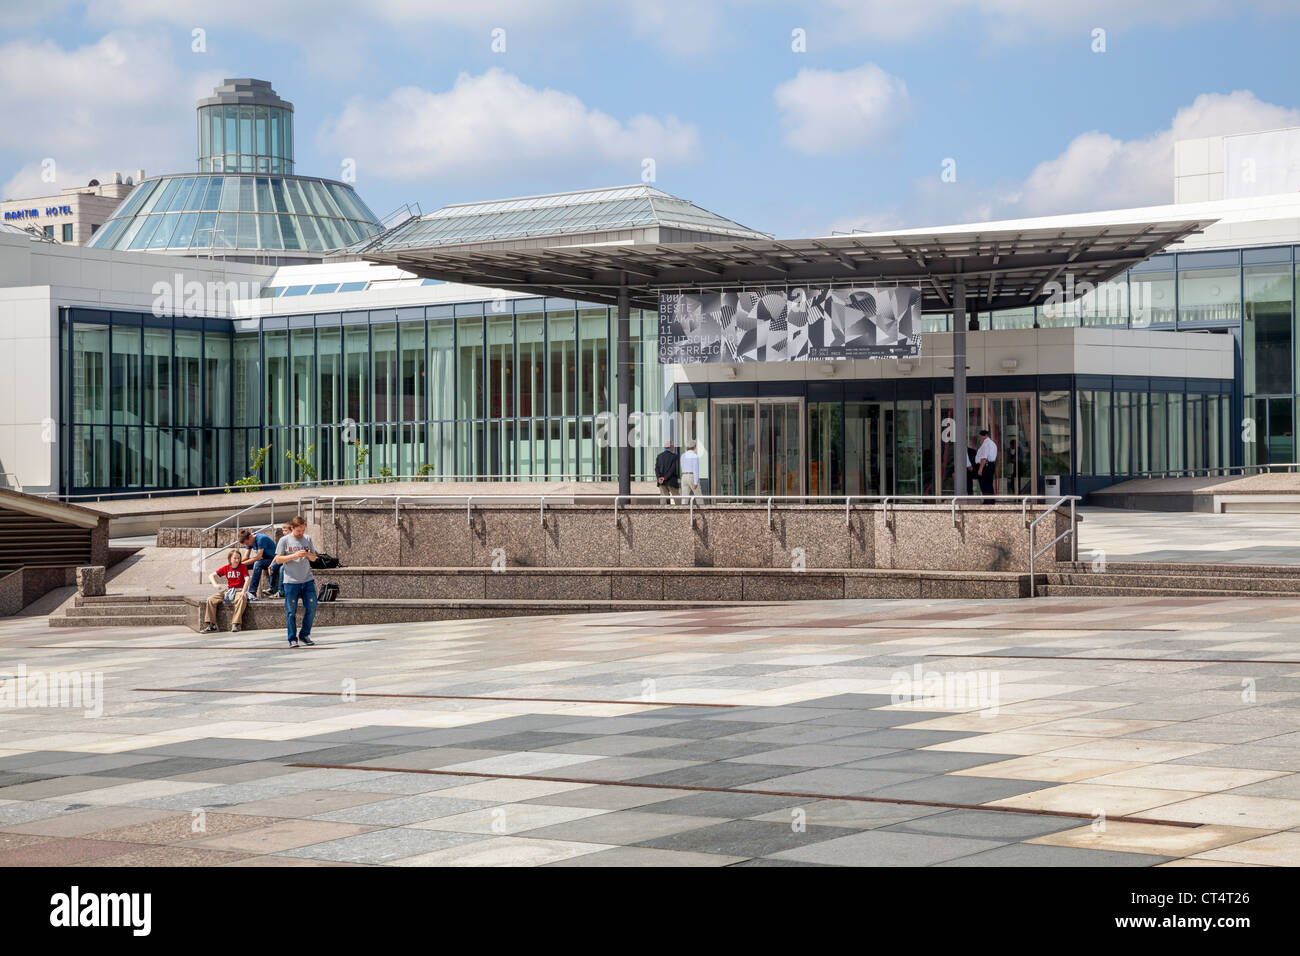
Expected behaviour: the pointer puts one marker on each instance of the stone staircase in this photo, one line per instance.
(1169, 579)
(126, 610)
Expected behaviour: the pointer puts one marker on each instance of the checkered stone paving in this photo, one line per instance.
(1057, 731)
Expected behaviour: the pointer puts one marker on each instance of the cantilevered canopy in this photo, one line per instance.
(1004, 264)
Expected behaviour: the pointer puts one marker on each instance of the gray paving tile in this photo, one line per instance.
(704, 729)
(878, 718)
(158, 768)
(403, 810)
(885, 848)
(902, 739)
(719, 774)
(744, 838)
(810, 755)
(735, 806)
(384, 846)
(834, 781)
(622, 827)
(1034, 854)
(942, 788)
(926, 761)
(717, 748)
(987, 824)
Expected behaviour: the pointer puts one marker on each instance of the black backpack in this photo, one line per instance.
(325, 562)
(329, 592)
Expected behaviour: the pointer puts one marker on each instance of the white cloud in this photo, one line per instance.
(114, 104)
(494, 124)
(1018, 21)
(1095, 171)
(826, 112)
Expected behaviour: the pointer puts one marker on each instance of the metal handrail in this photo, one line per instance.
(1070, 531)
(204, 555)
(323, 482)
(1208, 471)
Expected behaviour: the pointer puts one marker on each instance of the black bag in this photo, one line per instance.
(328, 592)
(325, 562)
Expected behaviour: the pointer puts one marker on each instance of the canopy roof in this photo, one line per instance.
(1004, 264)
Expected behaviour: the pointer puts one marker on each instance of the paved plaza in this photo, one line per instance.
(1123, 732)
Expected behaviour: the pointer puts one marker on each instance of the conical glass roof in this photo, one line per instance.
(238, 212)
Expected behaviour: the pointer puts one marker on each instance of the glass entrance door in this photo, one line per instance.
(757, 447)
(1010, 419)
(868, 448)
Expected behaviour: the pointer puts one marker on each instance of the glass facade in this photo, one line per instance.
(514, 390)
(245, 138)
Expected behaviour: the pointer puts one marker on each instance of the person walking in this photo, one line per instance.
(985, 460)
(294, 554)
(232, 580)
(668, 474)
(261, 558)
(690, 466)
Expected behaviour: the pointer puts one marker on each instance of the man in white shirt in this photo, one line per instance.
(985, 458)
(690, 473)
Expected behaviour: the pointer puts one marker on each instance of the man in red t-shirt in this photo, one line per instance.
(231, 580)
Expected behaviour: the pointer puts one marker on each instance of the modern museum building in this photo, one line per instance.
(244, 320)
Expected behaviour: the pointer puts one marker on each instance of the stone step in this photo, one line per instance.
(1177, 582)
(131, 599)
(128, 610)
(1102, 590)
(124, 620)
(1178, 567)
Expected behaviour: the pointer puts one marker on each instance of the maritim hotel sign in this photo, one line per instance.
(789, 325)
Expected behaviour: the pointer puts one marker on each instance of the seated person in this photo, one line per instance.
(232, 580)
(260, 556)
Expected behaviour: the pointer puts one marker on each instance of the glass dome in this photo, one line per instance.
(245, 127)
(238, 212)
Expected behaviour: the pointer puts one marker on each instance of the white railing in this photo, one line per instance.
(204, 555)
(1071, 532)
(1216, 471)
(328, 482)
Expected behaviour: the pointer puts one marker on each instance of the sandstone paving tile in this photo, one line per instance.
(61, 851)
(639, 856)
(1187, 777)
(1274, 849)
(1254, 756)
(562, 764)
(1012, 743)
(1125, 837)
(1195, 863)
(168, 856)
(503, 851)
(1129, 748)
(1094, 798)
(280, 835)
(1281, 785)
(181, 828)
(137, 791)
(1036, 855)
(1102, 726)
(75, 823)
(1268, 813)
(1048, 768)
(885, 848)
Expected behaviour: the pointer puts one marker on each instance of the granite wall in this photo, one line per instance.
(912, 537)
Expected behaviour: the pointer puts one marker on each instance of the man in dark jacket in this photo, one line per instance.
(668, 474)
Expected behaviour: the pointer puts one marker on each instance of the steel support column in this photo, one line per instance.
(959, 387)
(624, 389)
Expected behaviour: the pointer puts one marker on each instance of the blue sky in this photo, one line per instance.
(852, 132)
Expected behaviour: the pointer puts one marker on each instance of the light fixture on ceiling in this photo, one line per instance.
(1010, 364)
